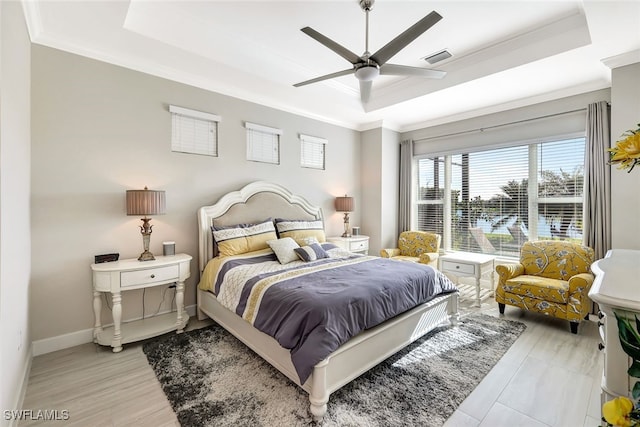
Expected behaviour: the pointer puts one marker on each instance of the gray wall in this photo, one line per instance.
(99, 130)
(625, 194)
(380, 166)
(15, 241)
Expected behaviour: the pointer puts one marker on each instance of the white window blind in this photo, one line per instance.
(263, 143)
(312, 152)
(492, 201)
(194, 132)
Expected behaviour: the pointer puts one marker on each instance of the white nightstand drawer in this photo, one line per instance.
(359, 245)
(150, 275)
(454, 267)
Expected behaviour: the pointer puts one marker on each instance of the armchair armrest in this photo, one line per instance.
(508, 271)
(579, 305)
(429, 258)
(388, 253)
(582, 281)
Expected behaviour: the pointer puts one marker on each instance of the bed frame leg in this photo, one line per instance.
(201, 314)
(319, 396)
(454, 316)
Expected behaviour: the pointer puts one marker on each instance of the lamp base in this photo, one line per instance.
(145, 229)
(146, 256)
(347, 228)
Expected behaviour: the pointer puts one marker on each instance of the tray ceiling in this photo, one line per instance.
(505, 54)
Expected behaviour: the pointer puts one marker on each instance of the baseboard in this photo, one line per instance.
(72, 339)
(18, 404)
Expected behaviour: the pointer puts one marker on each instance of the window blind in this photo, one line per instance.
(312, 152)
(263, 143)
(194, 132)
(492, 201)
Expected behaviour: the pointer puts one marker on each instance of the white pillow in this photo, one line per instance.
(284, 249)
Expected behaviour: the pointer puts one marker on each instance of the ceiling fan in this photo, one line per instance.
(367, 66)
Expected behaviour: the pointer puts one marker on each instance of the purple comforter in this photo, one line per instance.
(314, 313)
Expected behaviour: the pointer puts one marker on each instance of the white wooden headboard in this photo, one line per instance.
(253, 203)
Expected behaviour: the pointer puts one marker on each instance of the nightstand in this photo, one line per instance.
(128, 274)
(357, 244)
(466, 264)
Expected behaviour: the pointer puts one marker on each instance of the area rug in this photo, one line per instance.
(212, 379)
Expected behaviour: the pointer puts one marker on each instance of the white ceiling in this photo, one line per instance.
(506, 54)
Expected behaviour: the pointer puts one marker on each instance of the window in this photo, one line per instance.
(312, 152)
(263, 143)
(492, 201)
(194, 132)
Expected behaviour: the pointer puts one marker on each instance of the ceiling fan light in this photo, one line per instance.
(367, 73)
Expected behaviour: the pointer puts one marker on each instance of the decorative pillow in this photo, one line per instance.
(284, 249)
(242, 238)
(311, 253)
(300, 230)
(309, 240)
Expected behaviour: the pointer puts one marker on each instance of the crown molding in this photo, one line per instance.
(623, 59)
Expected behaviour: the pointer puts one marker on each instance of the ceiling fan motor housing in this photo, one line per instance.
(367, 73)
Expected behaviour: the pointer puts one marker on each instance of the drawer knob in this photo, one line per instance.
(600, 324)
(153, 276)
(457, 266)
(600, 315)
(600, 346)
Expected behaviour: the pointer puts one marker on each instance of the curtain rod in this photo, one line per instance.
(498, 126)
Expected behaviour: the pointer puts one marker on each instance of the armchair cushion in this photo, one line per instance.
(555, 259)
(414, 243)
(539, 287)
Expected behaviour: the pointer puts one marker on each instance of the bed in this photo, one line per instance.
(252, 204)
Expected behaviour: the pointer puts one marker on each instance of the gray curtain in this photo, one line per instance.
(404, 205)
(597, 180)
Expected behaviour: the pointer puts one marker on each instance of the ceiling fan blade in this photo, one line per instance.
(403, 70)
(339, 49)
(365, 91)
(409, 35)
(326, 77)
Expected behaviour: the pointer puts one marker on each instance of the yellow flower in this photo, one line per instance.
(616, 411)
(627, 151)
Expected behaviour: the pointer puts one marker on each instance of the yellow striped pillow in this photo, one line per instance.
(243, 238)
(301, 230)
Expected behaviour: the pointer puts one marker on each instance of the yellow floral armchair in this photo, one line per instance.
(415, 246)
(552, 278)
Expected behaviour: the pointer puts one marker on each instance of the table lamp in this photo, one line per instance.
(345, 204)
(145, 202)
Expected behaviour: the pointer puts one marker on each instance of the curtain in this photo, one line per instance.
(404, 205)
(597, 180)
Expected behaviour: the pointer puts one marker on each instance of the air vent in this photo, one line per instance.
(437, 57)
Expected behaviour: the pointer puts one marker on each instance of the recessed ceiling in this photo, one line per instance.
(505, 53)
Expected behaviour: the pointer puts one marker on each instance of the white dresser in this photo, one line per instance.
(616, 289)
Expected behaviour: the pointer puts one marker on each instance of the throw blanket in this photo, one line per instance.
(312, 308)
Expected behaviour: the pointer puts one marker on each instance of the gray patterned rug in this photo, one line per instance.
(212, 379)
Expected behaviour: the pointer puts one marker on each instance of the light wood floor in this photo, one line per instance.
(549, 377)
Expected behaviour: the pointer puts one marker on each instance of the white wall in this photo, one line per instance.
(380, 166)
(99, 130)
(463, 134)
(15, 248)
(625, 194)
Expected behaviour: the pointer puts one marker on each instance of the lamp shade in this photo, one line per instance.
(345, 204)
(145, 202)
